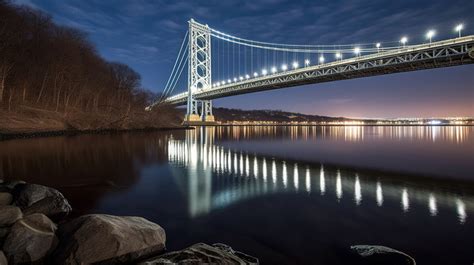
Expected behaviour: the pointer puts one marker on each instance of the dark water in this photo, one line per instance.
(288, 195)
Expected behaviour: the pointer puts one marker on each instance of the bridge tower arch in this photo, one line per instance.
(199, 72)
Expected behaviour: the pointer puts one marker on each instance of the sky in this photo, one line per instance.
(146, 34)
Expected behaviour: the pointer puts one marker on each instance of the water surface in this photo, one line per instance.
(288, 195)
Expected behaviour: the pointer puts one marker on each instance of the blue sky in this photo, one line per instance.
(146, 35)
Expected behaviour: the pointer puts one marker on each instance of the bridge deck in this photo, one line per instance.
(416, 57)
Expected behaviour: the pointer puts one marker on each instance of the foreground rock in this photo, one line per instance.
(203, 254)
(33, 198)
(370, 254)
(108, 239)
(9, 215)
(3, 259)
(31, 239)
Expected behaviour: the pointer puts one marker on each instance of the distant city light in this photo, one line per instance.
(295, 65)
(247, 76)
(459, 28)
(274, 69)
(255, 74)
(306, 62)
(321, 59)
(430, 34)
(434, 122)
(264, 72)
(284, 67)
(403, 41)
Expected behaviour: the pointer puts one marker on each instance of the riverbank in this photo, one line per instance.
(27, 122)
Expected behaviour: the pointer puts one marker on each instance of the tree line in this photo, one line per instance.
(56, 68)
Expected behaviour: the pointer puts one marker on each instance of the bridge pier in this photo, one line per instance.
(206, 115)
(203, 117)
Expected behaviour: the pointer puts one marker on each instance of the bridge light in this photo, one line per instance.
(255, 74)
(295, 65)
(247, 76)
(284, 67)
(223, 82)
(459, 28)
(235, 79)
(338, 55)
(306, 62)
(229, 81)
(241, 78)
(378, 45)
(357, 51)
(430, 34)
(264, 72)
(403, 41)
(218, 83)
(321, 59)
(274, 70)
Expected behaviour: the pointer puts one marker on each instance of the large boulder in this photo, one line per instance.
(5, 198)
(373, 254)
(31, 239)
(201, 253)
(107, 239)
(9, 215)
(33, 198)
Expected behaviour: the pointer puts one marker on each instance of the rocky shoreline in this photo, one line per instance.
(34, 229)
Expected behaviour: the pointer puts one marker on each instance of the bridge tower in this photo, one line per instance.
(199, 73)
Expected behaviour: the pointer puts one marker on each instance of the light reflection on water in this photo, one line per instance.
(456, 134)
(247, 178)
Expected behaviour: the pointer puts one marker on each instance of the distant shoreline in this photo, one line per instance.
(350, 125)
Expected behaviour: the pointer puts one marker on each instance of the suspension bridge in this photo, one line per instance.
(243, 66)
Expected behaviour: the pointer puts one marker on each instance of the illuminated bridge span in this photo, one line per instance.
(238, 66)
(218, 177)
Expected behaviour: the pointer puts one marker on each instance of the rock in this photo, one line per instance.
(5, 198)
(29, 197)
(31, 239)
(3, 259)
(201, 253)
(372, 254)
(54, 207)
(9, 215)
(107, 239)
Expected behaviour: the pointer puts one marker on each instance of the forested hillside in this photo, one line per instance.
(52, 78)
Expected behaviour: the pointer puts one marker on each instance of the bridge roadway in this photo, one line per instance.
(438, 54)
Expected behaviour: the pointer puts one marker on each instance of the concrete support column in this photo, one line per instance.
(206, 114)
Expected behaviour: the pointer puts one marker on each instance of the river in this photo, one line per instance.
(285, 194)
